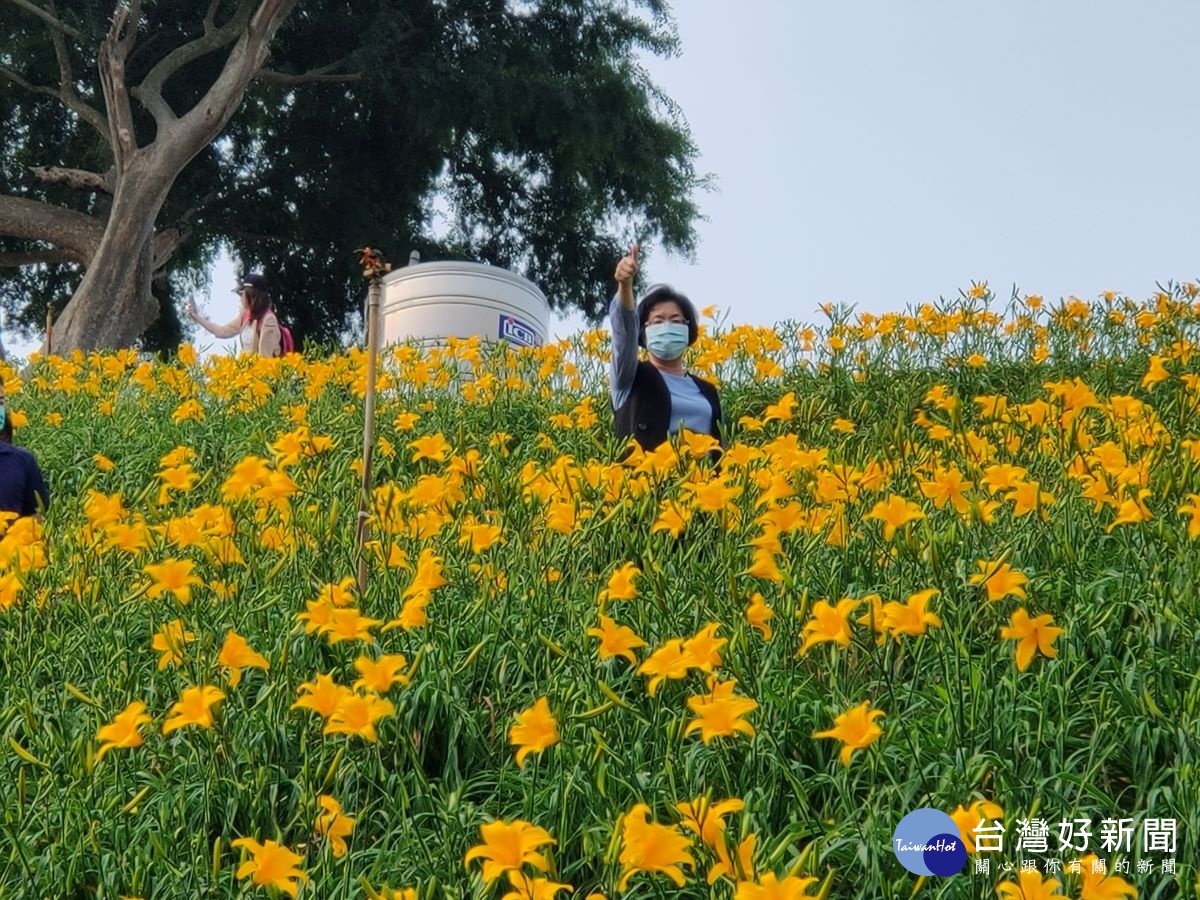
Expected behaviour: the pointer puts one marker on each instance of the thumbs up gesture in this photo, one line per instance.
(628, 266)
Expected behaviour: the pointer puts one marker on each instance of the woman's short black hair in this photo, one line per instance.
(663, 293)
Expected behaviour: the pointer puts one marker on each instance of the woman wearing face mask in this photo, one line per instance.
(653, 399)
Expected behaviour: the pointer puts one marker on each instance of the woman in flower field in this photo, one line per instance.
(257, 324)
(652, 400)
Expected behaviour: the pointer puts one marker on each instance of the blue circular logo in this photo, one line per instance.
(927, 842)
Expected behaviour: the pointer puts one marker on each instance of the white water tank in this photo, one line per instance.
(432, 301)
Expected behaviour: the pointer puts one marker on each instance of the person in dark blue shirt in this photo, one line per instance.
(22, 488)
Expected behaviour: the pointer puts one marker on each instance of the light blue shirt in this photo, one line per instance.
(688, 406)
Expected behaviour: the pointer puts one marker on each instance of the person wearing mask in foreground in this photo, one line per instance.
(653, 399)
(257, 325)
(23, 490)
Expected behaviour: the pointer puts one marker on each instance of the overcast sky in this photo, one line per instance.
(886, 152)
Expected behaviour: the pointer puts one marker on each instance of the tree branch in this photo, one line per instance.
(210, 17)
(206, 119)
(66, 83)
(133, 20)
(322, 73)
(17, 259)
(71, 101)
(113, 51)
(286, 78)
(16, 79)
(149, 92)
(167, 241)
(80, 179)
(55, 23)
(73, 232)
(254, 237)
(66, 80)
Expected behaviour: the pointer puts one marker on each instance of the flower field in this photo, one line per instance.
(949, 559)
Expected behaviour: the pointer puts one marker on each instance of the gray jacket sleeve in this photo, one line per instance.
(624, 351)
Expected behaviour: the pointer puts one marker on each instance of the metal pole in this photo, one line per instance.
(364, 502)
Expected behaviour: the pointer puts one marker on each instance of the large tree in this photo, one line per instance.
(139, 140)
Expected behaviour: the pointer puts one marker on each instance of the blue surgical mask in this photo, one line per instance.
(667, 340)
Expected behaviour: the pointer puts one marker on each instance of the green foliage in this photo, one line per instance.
(532, 128)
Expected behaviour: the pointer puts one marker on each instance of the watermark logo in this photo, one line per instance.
(518, 332)
(927, 842)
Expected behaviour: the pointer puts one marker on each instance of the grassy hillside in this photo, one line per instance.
(982, 525)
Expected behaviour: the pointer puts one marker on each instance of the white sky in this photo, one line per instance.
(886, 152)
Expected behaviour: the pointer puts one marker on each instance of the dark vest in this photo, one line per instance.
(646, 414)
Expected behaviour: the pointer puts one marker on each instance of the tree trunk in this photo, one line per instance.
(113, 305)
(75, 234)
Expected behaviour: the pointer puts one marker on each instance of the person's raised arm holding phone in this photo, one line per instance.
(653, 399)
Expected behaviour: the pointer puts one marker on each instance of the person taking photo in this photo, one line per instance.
(257, 326)
(653, 398)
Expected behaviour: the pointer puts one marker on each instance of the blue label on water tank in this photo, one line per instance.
(518, 332)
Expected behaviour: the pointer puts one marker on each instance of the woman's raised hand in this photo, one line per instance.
(628, 266)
